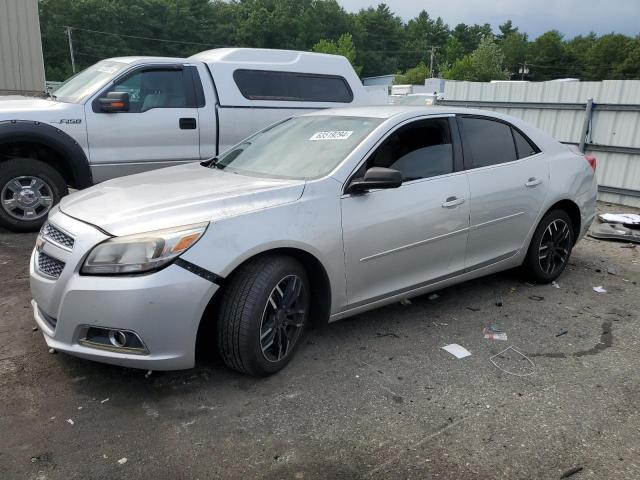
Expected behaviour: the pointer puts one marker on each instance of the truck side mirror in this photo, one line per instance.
(114, 102)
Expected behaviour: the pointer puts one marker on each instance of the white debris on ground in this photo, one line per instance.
(599, 289)
(122, 461)
(457, 350)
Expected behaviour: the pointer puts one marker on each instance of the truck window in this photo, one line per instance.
(291, 86)
(157, 88)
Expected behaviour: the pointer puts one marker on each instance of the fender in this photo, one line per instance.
(54, 138)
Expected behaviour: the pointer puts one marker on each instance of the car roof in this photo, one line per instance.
(392, 111)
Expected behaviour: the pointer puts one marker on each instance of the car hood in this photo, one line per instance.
(40, 109)
(175, 196)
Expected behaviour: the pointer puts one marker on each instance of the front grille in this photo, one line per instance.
(57, 236)
(50, 266)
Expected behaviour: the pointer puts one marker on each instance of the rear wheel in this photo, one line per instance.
(550, 247)
(29, 189)
(263, 313)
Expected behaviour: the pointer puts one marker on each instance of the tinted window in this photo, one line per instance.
(289, 86)
(420, 150)
(488, 142)
(524, 147)
(149, 89)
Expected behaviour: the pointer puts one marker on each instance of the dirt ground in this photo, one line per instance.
(374, 396)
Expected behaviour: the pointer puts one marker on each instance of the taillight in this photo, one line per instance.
(591, 159)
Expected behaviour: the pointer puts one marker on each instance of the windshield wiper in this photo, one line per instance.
(212, 163)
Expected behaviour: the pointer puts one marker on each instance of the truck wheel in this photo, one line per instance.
(28, 190)
(263, 313)
(550, 247)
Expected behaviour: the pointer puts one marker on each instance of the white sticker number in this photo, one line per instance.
(335, 135)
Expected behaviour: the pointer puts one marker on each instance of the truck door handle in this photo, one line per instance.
(188, 123)
(533, 182)
(452, 202)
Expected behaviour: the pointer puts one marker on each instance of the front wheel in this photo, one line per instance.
(29, 188)
(263, 313)
(550, 247)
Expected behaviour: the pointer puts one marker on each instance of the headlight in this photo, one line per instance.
(142, 252)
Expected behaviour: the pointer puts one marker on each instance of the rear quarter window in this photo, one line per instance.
(487, 142)
(292, 87)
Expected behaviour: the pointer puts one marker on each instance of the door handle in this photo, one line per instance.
(533, 182)
(452, 202)
(187, 123)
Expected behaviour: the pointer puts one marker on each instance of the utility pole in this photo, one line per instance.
(433, 51)
(523, 70)
(73, 60)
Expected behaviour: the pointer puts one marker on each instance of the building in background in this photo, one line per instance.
(21, 61)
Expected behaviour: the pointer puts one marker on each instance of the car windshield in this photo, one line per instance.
(78, 87)
(299, 148)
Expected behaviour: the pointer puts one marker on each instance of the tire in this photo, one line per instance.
(249, 319)
(29, 189)
(554, 240)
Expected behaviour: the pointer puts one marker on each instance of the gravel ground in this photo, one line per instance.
(370, 397)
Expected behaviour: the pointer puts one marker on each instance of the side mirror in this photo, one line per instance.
(114, 102)
(376, 177)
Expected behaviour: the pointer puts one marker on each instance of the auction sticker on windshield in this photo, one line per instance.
(334, 135)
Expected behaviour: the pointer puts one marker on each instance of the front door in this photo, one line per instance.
(160, 128)
(508, 182)
(399, 239)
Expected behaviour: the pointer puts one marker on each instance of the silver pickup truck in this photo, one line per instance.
(131, 114)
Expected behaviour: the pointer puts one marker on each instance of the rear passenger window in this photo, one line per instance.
(524, 147)
(487, 142)
(291, 86)
(419, 150)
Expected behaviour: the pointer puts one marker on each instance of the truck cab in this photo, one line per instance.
(130, 114)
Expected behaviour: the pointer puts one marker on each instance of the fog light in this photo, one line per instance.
(120, 341)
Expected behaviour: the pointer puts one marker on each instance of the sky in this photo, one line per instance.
(571, 17)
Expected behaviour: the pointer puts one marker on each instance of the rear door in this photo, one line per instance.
(403, 238)
(160, 128)
(508, 183)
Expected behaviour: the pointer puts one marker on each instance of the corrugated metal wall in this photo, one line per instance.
(21, 63)
(558, 108)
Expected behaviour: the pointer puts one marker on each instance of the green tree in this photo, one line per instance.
(413, 76)
(548, 56)
(606, 55)
(343, 46)
(484, 64)
(506, 29)
(515, 47)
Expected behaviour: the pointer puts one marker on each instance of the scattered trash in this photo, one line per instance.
(405, 302)
(515, 374)
(555, 284)
(473, 309)
(498, 304)
(79, 408)
(104, 455)
(105, 400)
(562, 332)
(599, 289)
(387, 334)
(493, 332)
(70, 422)
(122, 461)
(608, 231)
(34, 329)
(629, 245)
(570, 472)
(52, 351)
(433, 296)
(457, 350)
(440, 324)
(612, 271)
(52, 418)
(514, 289)
(147, 375)
(529, 284)
(537, 298)
(624, 218)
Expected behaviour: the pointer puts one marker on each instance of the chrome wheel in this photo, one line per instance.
(283, 318)
(26, 198)
(555, 246)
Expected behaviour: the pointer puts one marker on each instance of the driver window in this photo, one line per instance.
(419, 150)
(150, 89)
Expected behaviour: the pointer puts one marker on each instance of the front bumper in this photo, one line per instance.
(163, 308)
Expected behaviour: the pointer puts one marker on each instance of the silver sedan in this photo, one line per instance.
(313, 219)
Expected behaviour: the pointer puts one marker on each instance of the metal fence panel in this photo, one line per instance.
(21, 63)
(558, 108)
